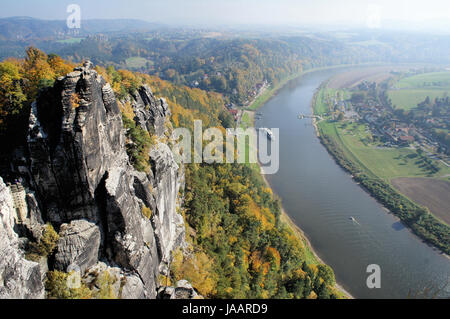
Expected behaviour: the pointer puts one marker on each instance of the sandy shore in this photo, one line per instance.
(301, 235)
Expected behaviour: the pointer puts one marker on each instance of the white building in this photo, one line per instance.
(20, 204)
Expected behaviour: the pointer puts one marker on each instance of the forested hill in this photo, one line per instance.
(26, 28)
(234, 63)
(235, 67)
(237, 245)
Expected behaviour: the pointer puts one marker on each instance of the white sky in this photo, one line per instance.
(270, 12)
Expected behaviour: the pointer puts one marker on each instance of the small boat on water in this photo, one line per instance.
(269, 133)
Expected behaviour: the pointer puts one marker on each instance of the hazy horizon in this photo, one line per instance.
(406, 14)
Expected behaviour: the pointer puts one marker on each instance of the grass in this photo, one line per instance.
(322, 107)
(409, 98)
(358, 146)
(246, 121)
(263, 98)
(434, 80)
(310, 256)
(269, 92)
(386, 163)
(136, 62)
(413, 90)
(71, 41)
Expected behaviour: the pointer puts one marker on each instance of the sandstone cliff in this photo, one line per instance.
(76, 165)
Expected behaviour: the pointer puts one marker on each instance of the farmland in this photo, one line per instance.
(70, 41)
(428, 192)
(409, 98)
(136, 62)
(352, 78)
(433, 80)
(386, 163)
(401, 176)
(410, 91)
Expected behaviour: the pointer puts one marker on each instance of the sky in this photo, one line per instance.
(367, 13)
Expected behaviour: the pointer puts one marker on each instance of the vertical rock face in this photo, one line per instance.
(84, 183)
(76, 136)
(78, 245)
(19, 278)
(169, 225)
(150, 113)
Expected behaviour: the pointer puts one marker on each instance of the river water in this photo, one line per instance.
(320, 198)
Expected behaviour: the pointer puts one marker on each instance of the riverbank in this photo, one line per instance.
(312, 255)
(417, 218)
(320, 198)
(269, 93)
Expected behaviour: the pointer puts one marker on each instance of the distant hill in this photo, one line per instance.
(26, 28)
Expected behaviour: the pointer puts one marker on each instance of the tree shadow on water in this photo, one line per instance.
(398, 226)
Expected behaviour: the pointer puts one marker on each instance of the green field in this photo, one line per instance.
(434, 80)
(413, 90)
(322, 107)
(71, 41)
(269, 92)
(409, 98)
(246, 121)
(356, 142)
(136, 62)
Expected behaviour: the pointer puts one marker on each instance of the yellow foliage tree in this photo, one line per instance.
(197, 269)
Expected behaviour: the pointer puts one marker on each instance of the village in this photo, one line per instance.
(238, 111)
(367, 105)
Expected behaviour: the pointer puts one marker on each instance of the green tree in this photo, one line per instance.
(327, 274)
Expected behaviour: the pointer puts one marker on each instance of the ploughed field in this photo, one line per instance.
(428, 192)
(352, 78)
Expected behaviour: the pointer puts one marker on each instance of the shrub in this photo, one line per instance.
(46, 245)
(147, 212)
(138, 145)
(57, 287)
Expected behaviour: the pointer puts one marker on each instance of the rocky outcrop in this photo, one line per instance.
(85, 186)
(131, 237)
(133, 288)
(76, 136)
(182, 290)
(170, 229)
(150, 113)
(78, 246)
(19, 278)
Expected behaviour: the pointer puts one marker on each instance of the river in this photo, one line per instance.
(320, 198)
